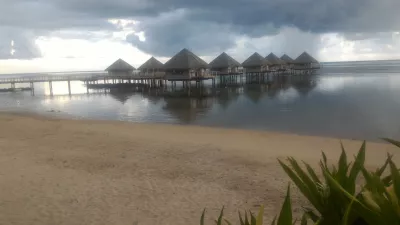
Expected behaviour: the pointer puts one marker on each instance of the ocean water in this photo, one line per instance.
(358, 100)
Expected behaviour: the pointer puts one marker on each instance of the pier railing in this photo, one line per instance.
(78, 77)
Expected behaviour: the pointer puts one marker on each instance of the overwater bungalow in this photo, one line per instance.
(287, 59)
(152, 68)
(120, 68)
(256, 64)
(289, 62)
(276, 63)
(224, 65)
(185, 66)
(305, 62)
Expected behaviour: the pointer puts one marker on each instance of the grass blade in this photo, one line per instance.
(260, 216)
(345, 220)
(241, 219)
(356, 168)
(393, 142)
(380, 171)
(312, 173)
(219, 222)
(246, 219)
(325, 161)
(285, 216)
(253, 219)
(342, 166)
(395, 177)
(301, 185)
(202, 217)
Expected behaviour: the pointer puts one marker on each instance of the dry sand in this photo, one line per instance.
(55, 171)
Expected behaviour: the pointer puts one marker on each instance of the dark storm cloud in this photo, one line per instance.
(205, 25)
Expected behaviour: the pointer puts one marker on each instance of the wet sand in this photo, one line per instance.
(56, 171)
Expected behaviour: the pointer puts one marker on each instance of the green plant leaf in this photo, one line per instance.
(285, 216)
(356, 168)
(310, 184)
(241, 219)
(325, 161)
(219, 221)
(260, 216)
(342, 165)
(393, 142)
(380, 171)
(202, 217)
(395, 177)
(253, 219)
(301, 185)
(312, 172)
(370, 216)
(345, 219)
(246, 219)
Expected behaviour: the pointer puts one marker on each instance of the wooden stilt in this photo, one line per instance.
(69, 87)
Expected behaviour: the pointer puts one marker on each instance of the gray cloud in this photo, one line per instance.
(207, 26)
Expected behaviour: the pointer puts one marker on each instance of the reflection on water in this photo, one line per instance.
(341, 105)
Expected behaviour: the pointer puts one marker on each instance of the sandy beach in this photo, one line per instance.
(56, 171)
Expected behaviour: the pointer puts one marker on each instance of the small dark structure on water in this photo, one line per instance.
(287, 59)
(277, 64)
(152, 68)
(120, 68)
(225, 65)
(306, 63)
(186, 66)
(256, 64)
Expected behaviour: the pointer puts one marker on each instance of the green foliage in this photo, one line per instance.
(333, 196)
(329, 205)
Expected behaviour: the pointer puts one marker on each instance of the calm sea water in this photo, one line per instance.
(359, 100)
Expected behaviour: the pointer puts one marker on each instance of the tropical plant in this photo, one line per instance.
(329, 205)
(379, 200)
(334, 198)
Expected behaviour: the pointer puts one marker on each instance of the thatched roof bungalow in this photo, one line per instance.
(276, 62)
(224, 64)
(287, 59)
(185, 65)
(152, 67)
(306, 61)
(120, 68)
(256, 64)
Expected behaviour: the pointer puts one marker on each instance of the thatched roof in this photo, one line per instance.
(185, 59)
(120, 65)
(150, 64)
(305, 58)
(274, 60)
(223, 61)
(255, 60)
(287, 59)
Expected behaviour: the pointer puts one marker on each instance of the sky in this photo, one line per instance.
(76, 35)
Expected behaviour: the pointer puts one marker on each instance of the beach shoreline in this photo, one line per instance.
(70, 171)
(58, 114)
